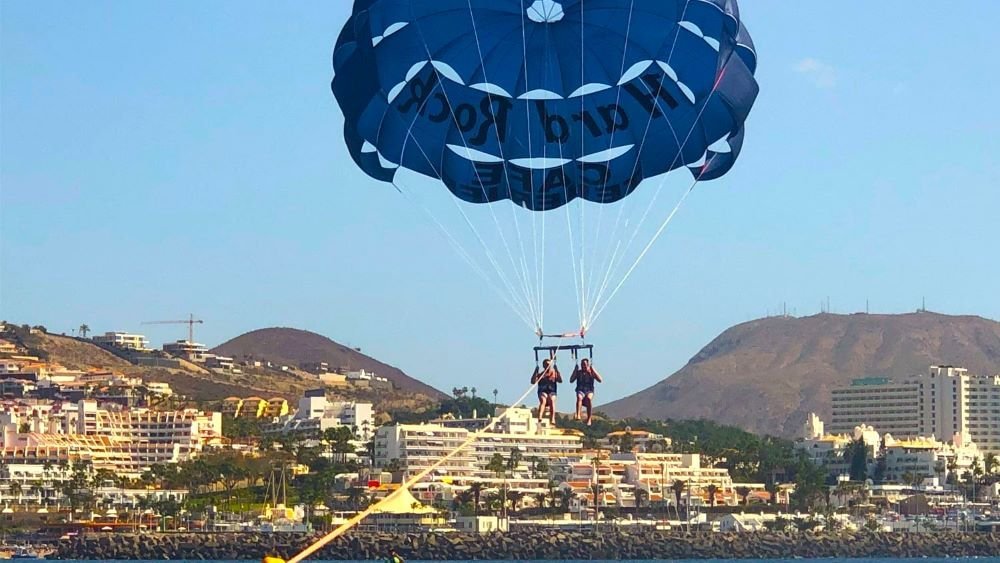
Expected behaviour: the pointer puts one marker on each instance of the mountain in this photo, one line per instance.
(292, 347)
(766, 375)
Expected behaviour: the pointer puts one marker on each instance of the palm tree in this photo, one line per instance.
(844, 491)
(952, 470)
(355, 497)
(15, 491)
(641, 497)
(658, 446)
(84, 329)
(497, 464)
(566, 495)
(461, 499)
(514, 460)
(542, 467)
(678, 487)
(477, 490)
(712, 491)
(744, 493)
(515, 498)
(494, 503)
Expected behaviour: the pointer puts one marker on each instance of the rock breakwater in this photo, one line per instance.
(536, 544)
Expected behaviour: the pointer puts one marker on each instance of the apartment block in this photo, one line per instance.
(891, 406)
(945, 402)
(416, 446)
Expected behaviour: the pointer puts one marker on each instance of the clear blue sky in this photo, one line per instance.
(166, 158)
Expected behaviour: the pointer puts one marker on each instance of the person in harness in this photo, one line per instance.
(585, 376)
(548, 379)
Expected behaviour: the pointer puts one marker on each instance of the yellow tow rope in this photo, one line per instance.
(339, 530)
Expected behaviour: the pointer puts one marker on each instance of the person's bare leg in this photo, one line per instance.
(590, 407)
(542, 401)
(579, 406)
(552, 407)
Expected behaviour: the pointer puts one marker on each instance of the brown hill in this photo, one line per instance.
(292, 347)
(766, 375)
(76, 354)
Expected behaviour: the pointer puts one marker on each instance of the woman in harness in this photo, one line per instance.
(585, 376)
(548, 378)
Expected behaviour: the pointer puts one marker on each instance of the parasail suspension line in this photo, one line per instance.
(525, 311)
(496, 222)
(517, 224)
(659, 231)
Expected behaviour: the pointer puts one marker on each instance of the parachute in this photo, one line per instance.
(542, 102)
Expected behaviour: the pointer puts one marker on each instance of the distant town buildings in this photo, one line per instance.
(126, 442)
(916, 458)
(414, 447)
(945, 402)
(315, 414)
(255, 407)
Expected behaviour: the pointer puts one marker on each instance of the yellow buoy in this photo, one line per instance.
(269, 559)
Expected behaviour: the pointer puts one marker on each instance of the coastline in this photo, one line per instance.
(536, 545)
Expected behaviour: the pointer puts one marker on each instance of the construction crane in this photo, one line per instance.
(191, 321)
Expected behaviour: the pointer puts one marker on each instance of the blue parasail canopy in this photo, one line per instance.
(544, 101)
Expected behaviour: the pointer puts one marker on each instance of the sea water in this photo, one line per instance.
(823, 560)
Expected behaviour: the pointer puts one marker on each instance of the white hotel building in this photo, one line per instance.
(417, 446)
(123, 340)
(945, 402)
(316, 413)
(127, 442)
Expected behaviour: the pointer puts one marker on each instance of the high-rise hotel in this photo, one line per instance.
(945, 402)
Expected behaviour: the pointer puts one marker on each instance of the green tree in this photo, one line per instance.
(543, 467)
(514, 459)
(744, 493)
(856, 455)
(15, 491)
(810, 485)
(462, 500)
(678, 487)
(338, 441)
(952, 471)
(477, 491)
(497, 464)
(84, 329)
(357, 498)
(515, 498)
(627, 443)
(566, 496)
(641, 497)
(712, 491)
